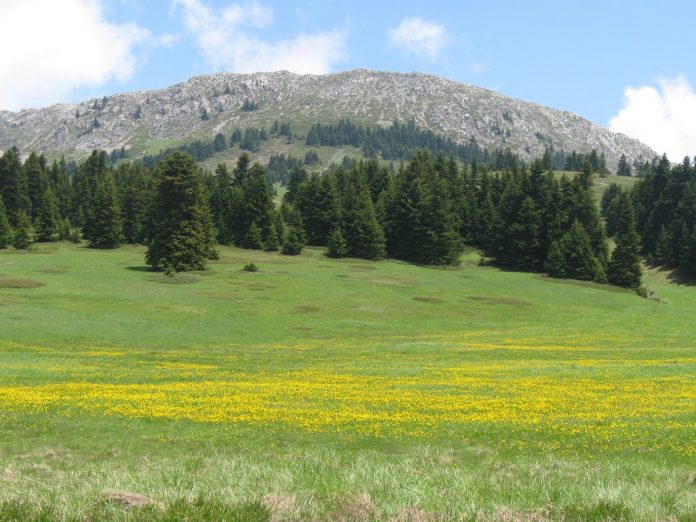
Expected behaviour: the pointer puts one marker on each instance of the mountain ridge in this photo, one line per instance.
(204, 105)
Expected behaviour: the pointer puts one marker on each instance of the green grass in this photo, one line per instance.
(339, 390)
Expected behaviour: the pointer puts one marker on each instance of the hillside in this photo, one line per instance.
(149, 121)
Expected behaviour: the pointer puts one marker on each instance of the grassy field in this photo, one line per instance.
(339, 390)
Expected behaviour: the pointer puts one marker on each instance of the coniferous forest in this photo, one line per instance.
(424, 211)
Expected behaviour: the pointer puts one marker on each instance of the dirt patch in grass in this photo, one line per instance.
(7, 301)
(279, 505)
(392, 281)
(428, 299)
(303, 328)
(52, 270)
(174, 279)
(412, 514)
(20, 283)
(509, 515)
(305, 309)
(357, 508)
(259, 287)
(219, 296)
(361, 267)
(130, 500)
(511, 301)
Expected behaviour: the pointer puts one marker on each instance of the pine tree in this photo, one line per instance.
(106, 228)
(337, 246)
(623, 169)
(272, 244)
(24, 233)
(624, 268)
(292, 243)
(687, 261)
(6, 232)
(47, 218)
(294, 238)
(178, 240)
(13, 186)
(363, 233)
(555, 260)
(579, 261)
(254, 238)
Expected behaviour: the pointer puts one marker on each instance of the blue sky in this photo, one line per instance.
(628, 65)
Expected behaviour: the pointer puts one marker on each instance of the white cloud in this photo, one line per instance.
(665, 119)
(227, 44)
(49, 48)
(418, 37)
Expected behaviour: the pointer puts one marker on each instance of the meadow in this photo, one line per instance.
(320, 389)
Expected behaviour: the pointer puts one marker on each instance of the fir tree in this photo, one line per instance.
(47, 219)
(624, 267)
(337, 246)
(579, 260)
(13, 186)
(5, 228)
(623, 168)
(272, 244)
(179, 240)
(294, 238)
(363, 233)
(106, 229)
(24, 233)
(254, 238)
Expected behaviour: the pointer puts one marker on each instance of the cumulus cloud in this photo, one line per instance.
(664, 119)
(227, 41)
(418, 37)
(49, 48)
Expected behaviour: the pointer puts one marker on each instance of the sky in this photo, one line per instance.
(628, 65)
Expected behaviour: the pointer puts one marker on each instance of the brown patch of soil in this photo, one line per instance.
(358, 508)
(305, 309)
(130, 500)
(428, 299)
(412, 514)
(20, 283)
(279, 505)
(499, 300)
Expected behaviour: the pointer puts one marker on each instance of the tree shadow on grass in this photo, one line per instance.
(142, 268)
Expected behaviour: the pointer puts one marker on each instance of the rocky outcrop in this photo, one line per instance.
(205, 105)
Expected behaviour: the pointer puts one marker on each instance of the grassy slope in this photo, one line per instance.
(467, 392)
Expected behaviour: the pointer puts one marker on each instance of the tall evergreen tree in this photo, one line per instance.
(179, 240)
(47, 219)
(13, 186)
(106, 228)
(624, 168)
(6, 232)
(24, 233)
(363, 233)
(624, 267)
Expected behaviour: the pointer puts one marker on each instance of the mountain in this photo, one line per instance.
(149, 121)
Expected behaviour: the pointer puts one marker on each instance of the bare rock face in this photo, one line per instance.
(205, 105)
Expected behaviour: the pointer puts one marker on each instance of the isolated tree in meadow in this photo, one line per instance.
(178, 240)
(6, 232)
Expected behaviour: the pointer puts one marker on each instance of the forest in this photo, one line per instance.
(425, 211)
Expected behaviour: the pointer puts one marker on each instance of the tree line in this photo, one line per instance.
(665, 206)
(424, 212)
